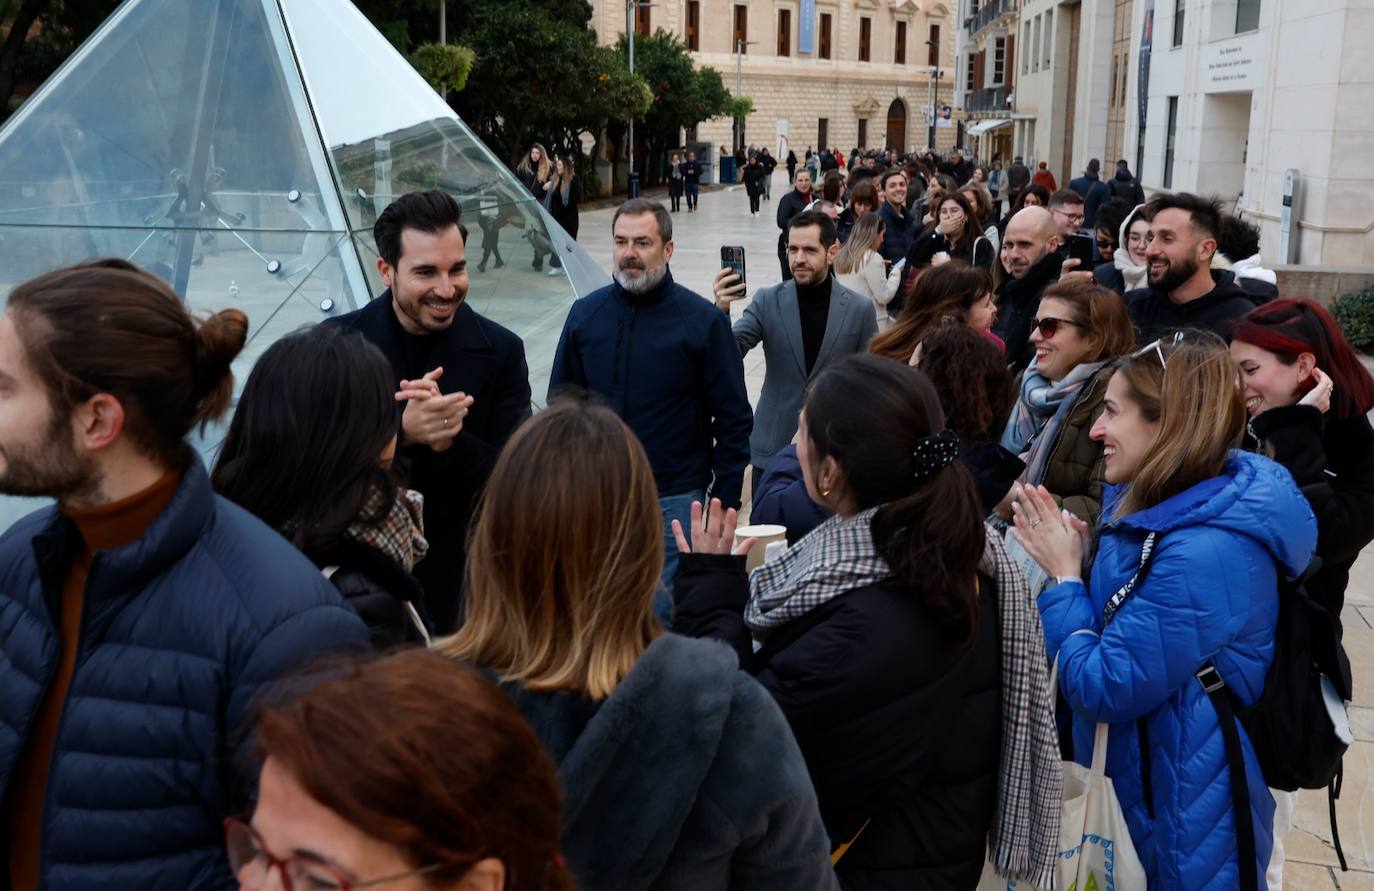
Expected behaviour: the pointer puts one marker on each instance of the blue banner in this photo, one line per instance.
(806, 27)
(1147, 36)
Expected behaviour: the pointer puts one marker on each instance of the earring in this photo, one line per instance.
(825, 493)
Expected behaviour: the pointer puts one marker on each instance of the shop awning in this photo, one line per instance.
(981, 127)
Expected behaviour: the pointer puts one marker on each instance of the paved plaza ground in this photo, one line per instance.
(723, 219)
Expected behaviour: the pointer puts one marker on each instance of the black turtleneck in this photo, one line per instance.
(813, 302)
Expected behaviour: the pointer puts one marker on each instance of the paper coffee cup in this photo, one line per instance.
(766, 535)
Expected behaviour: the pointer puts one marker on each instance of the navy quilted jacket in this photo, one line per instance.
(1211, 594)
(180, 629)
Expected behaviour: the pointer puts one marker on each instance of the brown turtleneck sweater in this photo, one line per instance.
(102, 528)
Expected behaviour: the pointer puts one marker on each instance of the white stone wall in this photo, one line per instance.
(1296, 93)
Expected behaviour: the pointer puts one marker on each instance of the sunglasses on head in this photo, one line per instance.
(1158, 347)
(1050, 327)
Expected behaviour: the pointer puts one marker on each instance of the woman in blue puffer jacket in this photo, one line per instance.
(1225, 523)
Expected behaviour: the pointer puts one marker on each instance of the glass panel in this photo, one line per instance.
(138, 129)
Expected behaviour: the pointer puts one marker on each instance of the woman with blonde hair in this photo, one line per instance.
(662, 744)
(534, 172)
(859, 266)
(1183, 591)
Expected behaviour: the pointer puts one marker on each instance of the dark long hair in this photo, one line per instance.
(970, 377)
(303, 452)
(868, 413)
(940, 292)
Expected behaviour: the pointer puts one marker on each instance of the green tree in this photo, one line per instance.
(683, 95)
(444, 65)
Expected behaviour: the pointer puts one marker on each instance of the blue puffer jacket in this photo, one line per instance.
(1211, 594)
(179, 630)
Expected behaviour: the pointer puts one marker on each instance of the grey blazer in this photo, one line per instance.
(774, 318)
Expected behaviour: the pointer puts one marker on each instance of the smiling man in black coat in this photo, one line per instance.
(462, 378)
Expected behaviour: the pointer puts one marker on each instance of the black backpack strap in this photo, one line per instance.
(1117, 600)
(1211, 681)
(1333, 791)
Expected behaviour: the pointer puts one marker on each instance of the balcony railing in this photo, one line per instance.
(991, 11)
(991, 99)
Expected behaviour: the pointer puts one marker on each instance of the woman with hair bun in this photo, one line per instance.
(1194, 537)
(454, 794)
(893, 638)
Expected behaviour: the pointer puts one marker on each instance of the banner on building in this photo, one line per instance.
(806, 27)
(1147, 36)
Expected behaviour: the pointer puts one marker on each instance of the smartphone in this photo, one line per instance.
(1081, 249)
(732, 256)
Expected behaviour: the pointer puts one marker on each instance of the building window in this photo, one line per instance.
(1178, 22)
(1025, 56)
(694, 25)
(972, 73)
(863, 133)
(642, 19)
(741, 44)
(999, 60)
(899, 48)
(1049, 35)
(933, 57)
(1169, 143)
(865, 38)
(1247, 15)
(784, 32)
(822, 133)
(1116, 66)
(824, 42)
(1125, 78)
(1035, 47)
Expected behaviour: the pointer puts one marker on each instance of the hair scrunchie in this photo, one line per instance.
(934, 453)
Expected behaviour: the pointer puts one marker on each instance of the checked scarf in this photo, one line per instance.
(840, 556)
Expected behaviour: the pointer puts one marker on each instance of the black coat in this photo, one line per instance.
(925, 246)
(377, 588)
(1153, 313)
(897, 727)
(485, 361)
(565, 212)
(1108, 276)
(1018, 300)
(1332, 461)
(753, 178)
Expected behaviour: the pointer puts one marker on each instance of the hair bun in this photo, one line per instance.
(219, 339)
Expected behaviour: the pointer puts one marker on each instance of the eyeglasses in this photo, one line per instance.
(1071, 217)
(251, 865)
(1050, 327)
(1158, 346)
(951, 211)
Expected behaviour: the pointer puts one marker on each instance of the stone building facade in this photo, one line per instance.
(853, 73)
(1240, 92)
(986, 74)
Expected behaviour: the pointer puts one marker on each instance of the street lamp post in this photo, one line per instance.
(630, 7)
(740, 44)
(934, 88)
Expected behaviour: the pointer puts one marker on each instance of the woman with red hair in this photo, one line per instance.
(1308, 396)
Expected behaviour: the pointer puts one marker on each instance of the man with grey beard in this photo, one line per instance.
(666, 361)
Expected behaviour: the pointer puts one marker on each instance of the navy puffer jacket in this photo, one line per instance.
(180, 630)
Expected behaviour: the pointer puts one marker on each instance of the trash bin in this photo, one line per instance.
(632, 188)
(727, 169)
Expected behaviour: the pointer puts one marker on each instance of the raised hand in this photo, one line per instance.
(1319, 397)
(727, 288)
(716, 539)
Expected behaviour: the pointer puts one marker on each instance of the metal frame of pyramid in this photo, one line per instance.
(242, 149)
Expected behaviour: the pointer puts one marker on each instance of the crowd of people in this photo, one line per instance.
(407, 632)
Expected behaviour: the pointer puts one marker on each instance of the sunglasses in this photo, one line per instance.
(1050, 327)
(1158, 347)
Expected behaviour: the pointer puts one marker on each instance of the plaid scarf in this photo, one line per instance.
(1024, 839)
(837, 556)
(401, 534)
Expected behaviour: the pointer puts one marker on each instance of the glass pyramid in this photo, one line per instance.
(242, 149)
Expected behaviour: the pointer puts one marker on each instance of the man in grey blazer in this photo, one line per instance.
(804, 325)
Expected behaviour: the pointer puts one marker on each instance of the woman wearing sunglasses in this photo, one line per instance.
(1185, 576)
(1079, 328)
(408, 773)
